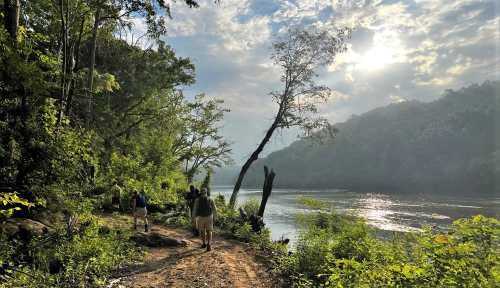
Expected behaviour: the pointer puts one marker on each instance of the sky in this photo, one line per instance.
(399, 51)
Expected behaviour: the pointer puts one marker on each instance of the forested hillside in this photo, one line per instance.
(451, 145)
(84, 106)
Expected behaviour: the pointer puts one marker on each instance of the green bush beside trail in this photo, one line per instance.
(342, 251)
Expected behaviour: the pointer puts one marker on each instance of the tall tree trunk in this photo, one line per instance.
(64, 64)
(24, 168)
(75, 67)
(93, 46)
(266, 190)
(12, 10)
(253, 157)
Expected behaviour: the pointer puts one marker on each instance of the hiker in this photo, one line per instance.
(138, 203)
(116, 192)
(191, 197)
(205, 212)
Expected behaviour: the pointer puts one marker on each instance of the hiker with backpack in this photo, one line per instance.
(205, 211)
(191, 197)
(138, 203)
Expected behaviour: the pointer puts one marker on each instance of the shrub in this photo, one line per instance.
(341, 251)
(84, 260)
(311, 202)
(251, 206)
(227, 217)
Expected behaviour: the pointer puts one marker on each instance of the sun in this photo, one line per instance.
(387, 49)
(376, 58)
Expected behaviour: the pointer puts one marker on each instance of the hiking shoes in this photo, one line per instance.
(146, 228)
(209, 247)
(203, 245)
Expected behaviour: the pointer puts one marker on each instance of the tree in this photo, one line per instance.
(119, 13)
(147, 95)
(11, 10)
(206, 181)
(200, 144)
(299, 54)
(267, 188)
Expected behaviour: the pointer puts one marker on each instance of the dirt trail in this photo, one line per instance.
(229, 264)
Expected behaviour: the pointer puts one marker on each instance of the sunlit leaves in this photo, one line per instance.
(10, 202)
(334, 251)
(105, 82)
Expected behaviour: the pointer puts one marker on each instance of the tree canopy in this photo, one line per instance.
(62, 136)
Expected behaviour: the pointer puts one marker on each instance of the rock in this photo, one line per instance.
(25, 229)
(283, 241)
(167, 218)
(154, 239)
(48, 218)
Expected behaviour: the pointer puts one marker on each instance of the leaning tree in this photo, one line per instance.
(299, 54)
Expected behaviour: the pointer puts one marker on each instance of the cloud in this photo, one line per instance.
(396, 99)
(400, 50)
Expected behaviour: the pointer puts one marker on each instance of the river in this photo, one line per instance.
(388, 212)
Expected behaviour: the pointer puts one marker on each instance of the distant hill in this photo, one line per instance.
(451, 145)
(225, 176)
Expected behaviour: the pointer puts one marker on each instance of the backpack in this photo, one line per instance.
(140, 201)
(204, 207)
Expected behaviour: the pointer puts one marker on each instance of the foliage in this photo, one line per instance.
(84, 260)
(200, 144)
(251, 206)
(450, 145)
(74, 117)
(206, 182)
(231, 224)
(10, 202)
(226, 216)
(311, 202)
(338, 251)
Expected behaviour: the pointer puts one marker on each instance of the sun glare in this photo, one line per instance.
(376, 58)
(386, 49)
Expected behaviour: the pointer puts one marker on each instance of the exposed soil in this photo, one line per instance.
(229, 264)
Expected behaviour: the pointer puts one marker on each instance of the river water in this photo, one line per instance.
(388, 212)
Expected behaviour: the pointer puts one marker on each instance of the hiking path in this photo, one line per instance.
(229, 264)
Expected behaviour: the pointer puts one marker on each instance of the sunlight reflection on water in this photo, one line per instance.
(377, 213)
(401, 213)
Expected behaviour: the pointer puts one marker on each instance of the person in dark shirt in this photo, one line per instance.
(139, 209)
(205, 211)
(190, 196)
